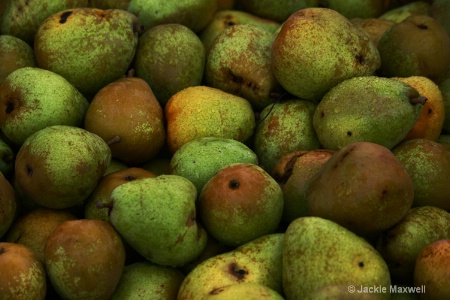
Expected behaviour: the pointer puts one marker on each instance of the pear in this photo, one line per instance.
(225, 4)
(84, 259)
(309, 56)
(362, 187)
(240, 203)
(33, 228)
(199, 159)
(245, 290)
(33, 98)
(14, 54)
(258, 261)
(170, 57)
(96, 205)
(370, 109)
(444, 87)
(417, 46)
(144, 280)
(89, 47)
(358, 8)
(127, 110)
(157, 217)
(341, 291)
(224, 19)
(201, 111)
(284, 127)
(319, 252)
(432, 270)
(8, 205)
(115, 165)
(23, 273)
(278, 11)
(294, 172)
(400, 13)
(373, 27)
(6, 158)
(22, 18)
(439, 10)
(50, 173)
(428, 163)
(194, 14)
(109, 4)
(401, 244)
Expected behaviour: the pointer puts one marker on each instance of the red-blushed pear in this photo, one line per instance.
(33, 228)
(22, 273)
(8, 205)
(127, 109)
(84, 259)
(240, 203)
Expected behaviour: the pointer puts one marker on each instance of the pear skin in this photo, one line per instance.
(8, 205)
(14, 54)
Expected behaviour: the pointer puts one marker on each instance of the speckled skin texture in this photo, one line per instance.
(246, 290)
(258, 261)
(14, 54)
(238, 62)
(170, 57)
(59, 166)
(32, 99)
(22, 18)
(285, 127)
(444, 87)
(157, 217)
(201, 111)
(318, 252)
(401, 244)
(318, 48)
(8, 205)
(23, 273)
(87, 46)
(199, 159)
(428, 163)
(84, 259)
(370, 109)
(144, 280)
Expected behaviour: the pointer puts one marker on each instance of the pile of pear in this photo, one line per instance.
(224, 149)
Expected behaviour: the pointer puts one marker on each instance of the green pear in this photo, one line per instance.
(369, 108)
(402, 56)
(14, 54)
(89, 47)
(428, 163)
(157, 217)
(444, 87)
(341, 291)
(194, 14)
(239, 63)
(358, 8)
(22, 18)
(240, 203)
(144, 280)
(33, 98)
(309, 56)
(59, 166)
(245, 290)
(115, 165)
(278, 11)
(284, 127)
(401, 244)
(224, 19)
(109, 4)
(199, 159)
(362, 187)
(200, 111)
(8, 205)
(258, 261)
(398, 14)
(6, 158)
(319, 252)
(170, 57)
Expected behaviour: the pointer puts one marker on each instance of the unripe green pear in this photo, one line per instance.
(89, 47)
(399, 13)
(246, 290)
(33, 98)
(14, 54)
(157, 217)
(370, 109)
(59, 166)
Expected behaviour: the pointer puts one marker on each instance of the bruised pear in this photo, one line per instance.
(370, 109)
(87, 46)
(362, 187)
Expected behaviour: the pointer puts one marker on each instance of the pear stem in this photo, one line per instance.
(114, 140)
(130, 73)
(418, 100)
